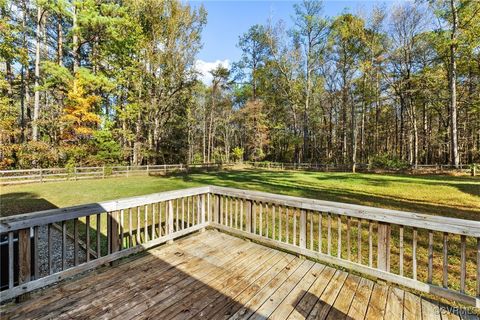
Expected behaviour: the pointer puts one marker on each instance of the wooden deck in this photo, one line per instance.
(212, 275)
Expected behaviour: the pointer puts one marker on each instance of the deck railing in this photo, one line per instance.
(44, 247)
(431, 254)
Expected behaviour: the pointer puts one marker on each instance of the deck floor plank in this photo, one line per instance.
(212, 275)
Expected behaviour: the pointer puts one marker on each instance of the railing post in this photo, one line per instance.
(249, 215)
(384, 232)
(303, 229)
(24, 256)
(24, 259)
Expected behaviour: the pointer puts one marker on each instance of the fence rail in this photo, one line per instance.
(80, 173)
(431, 254)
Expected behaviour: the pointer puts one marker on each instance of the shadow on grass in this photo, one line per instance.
(22, 202)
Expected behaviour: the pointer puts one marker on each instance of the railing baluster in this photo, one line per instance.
(64, 245)
(75, 242)
(145, 227)
(294, 212)
(36, 264)
(130, 224)
(311, 230)
(176, 214)
(154, 213)
(478, 267)
(303, 229)
(287, 225)
(231, 212)
(138, 238)
(430, 256)
(339, 237)
(170, 217)
(87, 238)
(121, 244)
(414, 253)
(254, 214)
(445, 260)
(241, 215)
(183, 213)
(99, 248)
(273, 219)
(348, 238)
(329, 234)
(188, 210)
(10, 260)
(370, 243)
(320, 239)
(266, 220)
(401, 250)
(236, 213)
(359, 241)
(280, 223)
(260, 207)
(50, 248)
(463, 262)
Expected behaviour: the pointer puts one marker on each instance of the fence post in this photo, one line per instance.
(75, 173)
(303, 229)
(127, 170)
(41, 175)
(165, 168)
(383, 261)
(148, 170)
(103, 172)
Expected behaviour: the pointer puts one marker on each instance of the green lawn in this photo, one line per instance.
(440, 195)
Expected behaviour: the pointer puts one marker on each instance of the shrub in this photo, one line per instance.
(387, 161)
(237, 154)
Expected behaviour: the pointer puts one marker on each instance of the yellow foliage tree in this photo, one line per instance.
(79, 117)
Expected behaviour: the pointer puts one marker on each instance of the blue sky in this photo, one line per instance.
(227, 20)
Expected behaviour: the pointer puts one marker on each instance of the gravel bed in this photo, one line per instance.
(57, 251)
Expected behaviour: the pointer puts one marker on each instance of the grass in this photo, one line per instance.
(457, 197)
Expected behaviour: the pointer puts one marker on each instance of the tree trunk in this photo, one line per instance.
(36, 107)
(453, 88)
(75, 49)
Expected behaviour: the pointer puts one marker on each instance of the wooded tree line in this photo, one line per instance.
(114, 82)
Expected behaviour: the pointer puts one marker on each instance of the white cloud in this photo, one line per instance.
(204, 68)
